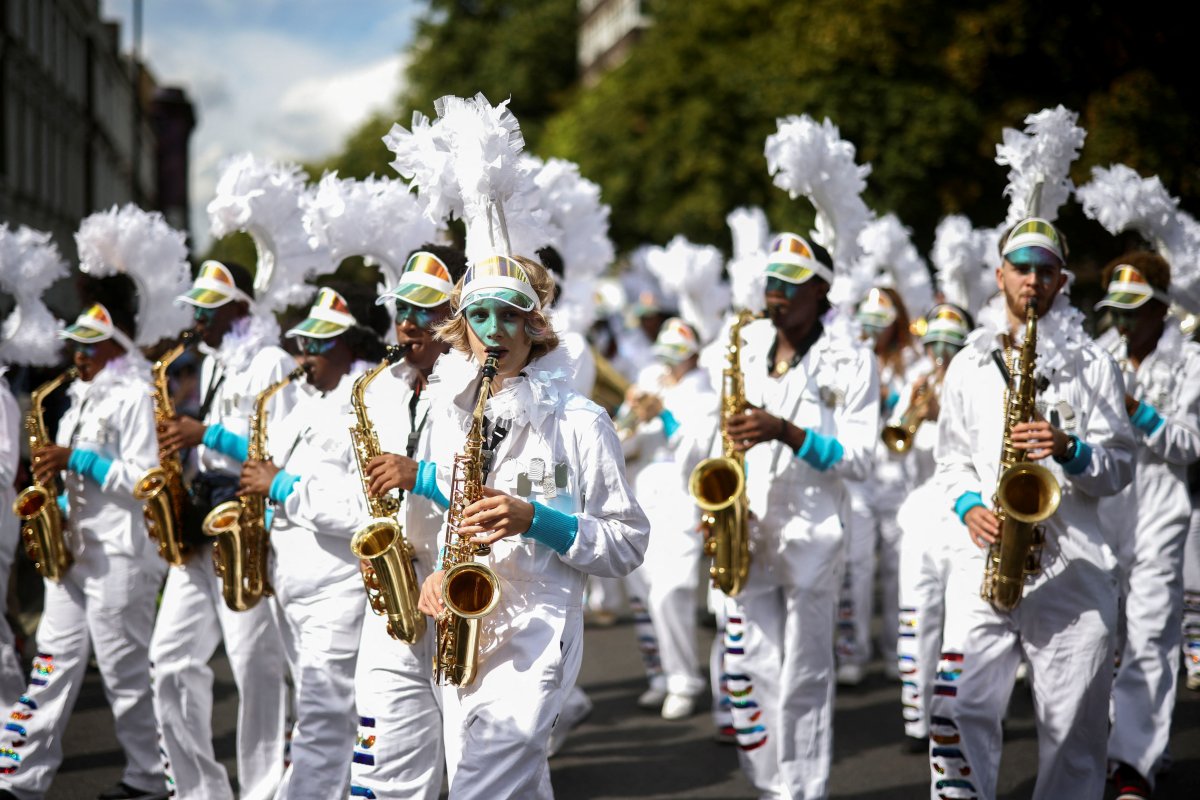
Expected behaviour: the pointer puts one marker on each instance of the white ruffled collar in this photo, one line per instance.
(246, 338)
(132, 367)
(1061, 337)
(540, 391)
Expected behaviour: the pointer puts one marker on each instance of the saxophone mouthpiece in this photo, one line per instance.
(489, 366)
(395, 352)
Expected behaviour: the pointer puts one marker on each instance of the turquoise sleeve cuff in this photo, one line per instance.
(965, 503)
(64, 507)
(282, 486)
(892, 399)
(225, 442)
(1079, 462)
(90, 464)
(553, 528)
(1146, 419)
(820, 452)
(670, 424)
(426, 485)
(269, 516)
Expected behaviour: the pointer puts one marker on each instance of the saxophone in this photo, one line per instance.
(240, 526)
(898, 438)
(718, 485)
(161, 488)
(390, 578)
(470, 590)
(1027, 494)
(37, 505)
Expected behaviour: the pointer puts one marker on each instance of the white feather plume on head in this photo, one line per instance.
(499, 197)
(692, 272)
(423, 159)
(377, 218)
(263, 199)
(811, 159)
(1041, 154)
(29, 264)
(1121, 200)
(573, 206)
(142, 245)
(751, 237)
(965, 259)
(892, 260)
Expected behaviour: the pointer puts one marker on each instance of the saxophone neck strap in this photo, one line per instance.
(489, 451)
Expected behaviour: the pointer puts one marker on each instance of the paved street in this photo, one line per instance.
(623, 752)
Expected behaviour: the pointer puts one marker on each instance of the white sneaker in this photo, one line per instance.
(1193, 681)
(678, 706)
(849, 675)
(652, 698)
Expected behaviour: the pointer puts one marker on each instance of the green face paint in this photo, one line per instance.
(496, 323)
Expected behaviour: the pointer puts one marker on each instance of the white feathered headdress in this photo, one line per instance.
(891, 259)
(377, 218)
(692, 272)
(811, 159)
(29, 263)
(751, 237)
(1121, 200)
(572, 205)
(1041, 155)
(263, 199)
(142, 245)
(423, 159)
(965, 259)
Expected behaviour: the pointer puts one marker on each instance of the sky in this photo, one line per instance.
(285, 79)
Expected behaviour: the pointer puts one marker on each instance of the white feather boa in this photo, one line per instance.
(130, 368)
(248, 336)
(1061, 338)
(539, 392)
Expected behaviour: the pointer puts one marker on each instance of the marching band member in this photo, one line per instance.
(318, 504)
(398, 751)
(1162, 397)
(105, 442)
(555, 508)
(243, 358)
(11, 680)
(1065, 624)
(673, 402)
(812, 424)
(930, 534)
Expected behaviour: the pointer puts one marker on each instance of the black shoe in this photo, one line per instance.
(123, 791)
(1130, 784)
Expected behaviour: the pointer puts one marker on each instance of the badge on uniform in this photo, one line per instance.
(548, 481)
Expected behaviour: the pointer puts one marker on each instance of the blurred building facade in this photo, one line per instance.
(607, 31)
(83, 127)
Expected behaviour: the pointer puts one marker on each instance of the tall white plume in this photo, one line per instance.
(692, 272)
(1041, 154)
(29, 264)
(891, 259)
(965, 259)
(423, 159)
(751, 235)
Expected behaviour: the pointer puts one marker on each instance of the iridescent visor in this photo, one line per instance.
(416, 294)
(792, 273)
(944, 332)
(673, 353)
(206, 298)
(317, 328)
(84, 334)
(511, 297)
(1125, 299)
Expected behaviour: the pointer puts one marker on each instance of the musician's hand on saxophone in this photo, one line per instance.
(430, 601)
(388, 471)
(48, 461)
(755, 426)
(495, 516)
(1040, 439)
(179, 433)
(257, 477)
(982, 526)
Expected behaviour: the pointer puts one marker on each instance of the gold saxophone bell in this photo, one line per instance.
(388, 576)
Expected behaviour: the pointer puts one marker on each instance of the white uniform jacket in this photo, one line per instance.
(1084, 397)
(834, 392)
(692, 405)
(10, 445)
(248, 361)
(311, 531)
(112, 415)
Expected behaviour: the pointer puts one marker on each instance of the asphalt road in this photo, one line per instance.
(621, 751)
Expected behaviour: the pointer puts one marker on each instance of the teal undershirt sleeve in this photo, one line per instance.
(820, 452)
(426, 484)
(553, 528)
(90, 464)
(225, 442)
(282, 486)
(965, 502)
(670, 424)
(1146, 419)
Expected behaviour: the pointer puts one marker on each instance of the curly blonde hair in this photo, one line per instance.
(453, 331)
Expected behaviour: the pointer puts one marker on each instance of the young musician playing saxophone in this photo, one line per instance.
(1162, 385)
(812, 423)
(105, 600)
(398, 752)
(243, 358)
(1065, 624)
(555, 508)
(318, 505)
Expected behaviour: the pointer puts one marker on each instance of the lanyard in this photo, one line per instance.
(488, 452)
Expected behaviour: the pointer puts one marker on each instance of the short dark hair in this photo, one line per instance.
(117, 293)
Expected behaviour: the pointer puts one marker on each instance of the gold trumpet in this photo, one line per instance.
(898, 438)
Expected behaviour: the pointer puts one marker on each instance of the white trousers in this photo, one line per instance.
(12, 678)
(398, 751)
(1065, 628)
(1191, 595)
(498, 729)
(192, 620)
(105, 600)
(927, 541)
(637, 588)
(872, 546)
(779, 668)
(321, 630)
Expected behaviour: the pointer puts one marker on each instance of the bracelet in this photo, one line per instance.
(783, 426)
